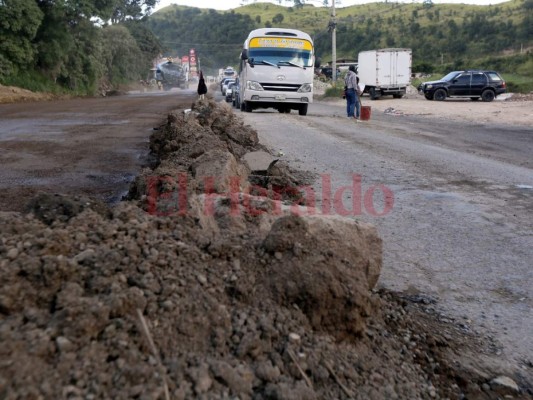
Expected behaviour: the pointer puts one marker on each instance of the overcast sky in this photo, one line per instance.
(229, 4)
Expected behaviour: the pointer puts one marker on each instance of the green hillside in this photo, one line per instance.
(442, 36)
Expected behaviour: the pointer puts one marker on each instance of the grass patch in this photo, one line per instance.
(34, 81)
(518, 83)
(335, 91)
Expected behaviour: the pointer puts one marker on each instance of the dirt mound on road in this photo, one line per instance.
(11, 94)
(228, 297)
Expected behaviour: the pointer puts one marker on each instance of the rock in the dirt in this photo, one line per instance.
(202, 379)
(331, 280)
(267, 372)
(355, 243)
(504, 385)
(56, 207)
(298, 391)
(239, 380)
(258, 161)
(219, 172)
(13, 253)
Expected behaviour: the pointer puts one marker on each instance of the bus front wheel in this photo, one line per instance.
(303, 109)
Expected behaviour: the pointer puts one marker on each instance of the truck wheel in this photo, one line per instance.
(302, 110)
(487, 95)
(397, 96)
(439, 95)
(373, 94)
(247, 106)
(241, 106)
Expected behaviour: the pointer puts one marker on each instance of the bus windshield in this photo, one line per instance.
(275, 56)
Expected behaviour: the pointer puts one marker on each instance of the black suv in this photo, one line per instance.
(328, 72)
(473, 84)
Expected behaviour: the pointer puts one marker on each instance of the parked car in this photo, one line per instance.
(472, 84)
(222, 82)
(328, 72)
(229, 91)
(235, 98)
(225, 86)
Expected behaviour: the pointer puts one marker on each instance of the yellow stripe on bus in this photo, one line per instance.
(281, 42)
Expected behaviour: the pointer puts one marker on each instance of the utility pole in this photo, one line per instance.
(334, 45)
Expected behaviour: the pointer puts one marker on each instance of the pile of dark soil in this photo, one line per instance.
(213, 302)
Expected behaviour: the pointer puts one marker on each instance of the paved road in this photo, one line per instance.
(461, 226)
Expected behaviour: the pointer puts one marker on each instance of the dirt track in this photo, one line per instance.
(78, 146)
(507, 109)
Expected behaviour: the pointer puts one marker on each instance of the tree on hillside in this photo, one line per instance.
(122, 56)
(145, 38)
(82, 68)
(131, 9)
(278, 18)
(19, 22)
(86, 9)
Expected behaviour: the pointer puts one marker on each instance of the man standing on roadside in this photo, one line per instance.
(358, 94)
(352, 95)
(202, 87)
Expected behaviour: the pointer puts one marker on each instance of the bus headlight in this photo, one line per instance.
(253, 85)
(305, 88)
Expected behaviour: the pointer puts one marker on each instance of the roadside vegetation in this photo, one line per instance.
(82, 47)
(443, 37)
(74, 47)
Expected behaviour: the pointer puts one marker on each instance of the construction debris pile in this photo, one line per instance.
(197, 289)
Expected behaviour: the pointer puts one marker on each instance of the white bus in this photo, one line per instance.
(276, 70)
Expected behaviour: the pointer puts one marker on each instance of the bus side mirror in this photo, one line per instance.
(244, 54)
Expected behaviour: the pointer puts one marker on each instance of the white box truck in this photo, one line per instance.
(385, 72)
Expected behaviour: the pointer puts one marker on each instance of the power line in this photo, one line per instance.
(203, 44)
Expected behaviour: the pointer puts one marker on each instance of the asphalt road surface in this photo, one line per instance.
(452, 201)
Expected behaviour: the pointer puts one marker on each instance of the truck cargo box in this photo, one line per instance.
(385, 71)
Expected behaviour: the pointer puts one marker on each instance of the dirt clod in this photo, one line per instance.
(56, 207)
